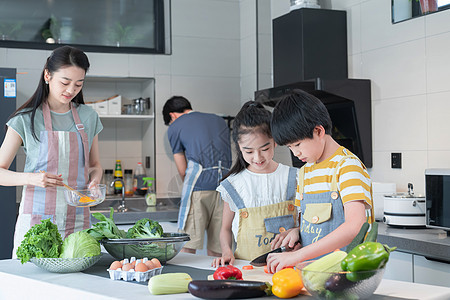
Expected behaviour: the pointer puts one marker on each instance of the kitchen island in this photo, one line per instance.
(30, 282)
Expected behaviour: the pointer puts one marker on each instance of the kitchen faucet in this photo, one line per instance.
(122, 207)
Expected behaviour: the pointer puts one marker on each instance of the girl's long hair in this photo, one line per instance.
(61, 57)
(252, 118)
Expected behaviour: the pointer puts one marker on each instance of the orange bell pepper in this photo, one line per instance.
(287, 283)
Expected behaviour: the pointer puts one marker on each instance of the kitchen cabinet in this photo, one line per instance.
(416, 268)
(431, 272)
(399, 267)
(130, 138)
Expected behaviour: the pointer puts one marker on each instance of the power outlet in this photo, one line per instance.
(396, 160)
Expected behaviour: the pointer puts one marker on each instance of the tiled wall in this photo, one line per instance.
(409, 66)
(204, 67)
(213, 63)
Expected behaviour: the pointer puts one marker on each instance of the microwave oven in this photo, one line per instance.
(437, 190)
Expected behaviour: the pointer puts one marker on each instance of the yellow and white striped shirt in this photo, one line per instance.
(353, 180)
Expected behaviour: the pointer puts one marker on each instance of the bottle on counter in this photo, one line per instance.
(128, 179)
(118, 175)
(150, 196)
(108, 179)
(138, 183)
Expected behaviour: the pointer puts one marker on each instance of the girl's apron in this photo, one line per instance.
(193, 171)
(259, 225)
(65, 153)
(320, 213)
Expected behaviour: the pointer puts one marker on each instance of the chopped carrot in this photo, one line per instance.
(248, 267)
(266, 270)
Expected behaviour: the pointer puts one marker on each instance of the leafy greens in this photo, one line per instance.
(105, 228)
(42, 240)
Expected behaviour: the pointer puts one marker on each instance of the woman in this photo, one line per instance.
(60, 139)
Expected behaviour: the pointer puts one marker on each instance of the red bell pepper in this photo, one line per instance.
(227, 272)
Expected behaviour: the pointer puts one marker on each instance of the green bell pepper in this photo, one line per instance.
(368, 256)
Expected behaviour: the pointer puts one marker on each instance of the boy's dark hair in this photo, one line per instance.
(176, 104)
(296, 115)
(252, 118)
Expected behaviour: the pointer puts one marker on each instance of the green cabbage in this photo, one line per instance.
(80, 244)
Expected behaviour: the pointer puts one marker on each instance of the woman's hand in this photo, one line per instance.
(222, 261)
(44, 179)
(288, 237)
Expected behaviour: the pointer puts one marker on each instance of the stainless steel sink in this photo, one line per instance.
(136, 208)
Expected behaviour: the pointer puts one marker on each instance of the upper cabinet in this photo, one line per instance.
(137, 26)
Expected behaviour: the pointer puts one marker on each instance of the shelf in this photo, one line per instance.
(131, 117)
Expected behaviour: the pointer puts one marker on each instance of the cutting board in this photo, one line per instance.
(255, 274)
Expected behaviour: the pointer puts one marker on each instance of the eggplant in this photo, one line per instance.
(338, 282)
(228, 289)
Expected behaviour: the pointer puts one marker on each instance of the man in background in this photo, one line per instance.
(201, 149)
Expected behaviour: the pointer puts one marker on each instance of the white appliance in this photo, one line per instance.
(405, 209)
(379, 189)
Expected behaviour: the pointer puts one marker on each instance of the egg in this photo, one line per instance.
(156, 262)
(127, 267)
(150, 265)
(141, 267)
(115, 265)
(133, 263)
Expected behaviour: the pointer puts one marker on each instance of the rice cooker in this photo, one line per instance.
(405, 209)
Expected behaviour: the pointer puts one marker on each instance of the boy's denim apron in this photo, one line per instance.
(259, 225)
(320, 213)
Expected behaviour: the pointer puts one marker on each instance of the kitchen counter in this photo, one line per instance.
(432, 243)
(166, 210)
(30, 282)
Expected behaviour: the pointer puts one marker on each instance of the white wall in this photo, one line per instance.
(409, 66)
(214, 64)
(204, 67)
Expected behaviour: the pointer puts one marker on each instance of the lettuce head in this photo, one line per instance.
(80, 244)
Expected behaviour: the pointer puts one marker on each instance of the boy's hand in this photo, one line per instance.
(286, 238)
(278, 261)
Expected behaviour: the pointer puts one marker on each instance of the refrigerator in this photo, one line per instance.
(8, 206)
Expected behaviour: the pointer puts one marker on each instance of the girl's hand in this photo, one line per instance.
(222, 261)
(288, 237)
(44, 179)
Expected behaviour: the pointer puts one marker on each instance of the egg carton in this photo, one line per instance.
(131, 275)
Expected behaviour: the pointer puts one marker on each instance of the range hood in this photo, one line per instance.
(310, 53)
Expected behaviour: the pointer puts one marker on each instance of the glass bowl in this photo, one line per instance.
(91, 197)
(164, 248)
(336, 285)
(65, 265)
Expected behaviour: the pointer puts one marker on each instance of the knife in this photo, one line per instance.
(262, 259)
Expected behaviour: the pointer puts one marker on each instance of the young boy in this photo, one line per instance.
(334, 190)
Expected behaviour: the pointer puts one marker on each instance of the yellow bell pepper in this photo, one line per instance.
(287, 283)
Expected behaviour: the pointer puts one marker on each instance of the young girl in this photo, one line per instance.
(258, 192)
(60, 138)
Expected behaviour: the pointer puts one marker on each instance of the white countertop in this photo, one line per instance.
(27, 281)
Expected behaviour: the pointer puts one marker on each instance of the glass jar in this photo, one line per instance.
(128, 179)
(108, 179)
